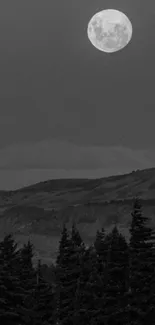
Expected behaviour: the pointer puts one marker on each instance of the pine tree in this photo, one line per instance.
(79, 249)
(11, 293)
(114, 299)
(100, 245)
(45, 303)
(27, 277)
(142, 266)
(64, 296)
(75, 236)
(63, 246)
(99, 240)
(68, 272)
(89, 291)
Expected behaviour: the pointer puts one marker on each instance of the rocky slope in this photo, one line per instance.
(38, 211)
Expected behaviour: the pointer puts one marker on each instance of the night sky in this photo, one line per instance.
(66, 108)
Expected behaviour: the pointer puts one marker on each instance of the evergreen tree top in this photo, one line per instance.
(75, 236)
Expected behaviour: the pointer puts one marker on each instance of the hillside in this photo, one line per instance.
(38, 211)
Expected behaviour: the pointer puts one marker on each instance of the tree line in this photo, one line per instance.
(111, 282)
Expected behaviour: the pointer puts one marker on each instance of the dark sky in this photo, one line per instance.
(66, 108)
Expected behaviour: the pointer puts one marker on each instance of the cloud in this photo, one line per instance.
(26, 164)
(56, 154)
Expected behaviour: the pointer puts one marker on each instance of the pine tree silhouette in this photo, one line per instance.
(68, 271)
(11, 293)
(45, 304)
(117, 285)
(142, 266)
(89, 290)
(27, 277)
(63, 296)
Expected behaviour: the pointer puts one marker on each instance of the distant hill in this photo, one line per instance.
(38, 211)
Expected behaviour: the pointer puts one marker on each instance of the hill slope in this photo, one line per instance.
(38, 211)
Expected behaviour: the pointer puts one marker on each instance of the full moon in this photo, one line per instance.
(109, 30)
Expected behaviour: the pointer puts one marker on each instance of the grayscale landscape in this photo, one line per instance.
(77, 162)
(39, 211)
